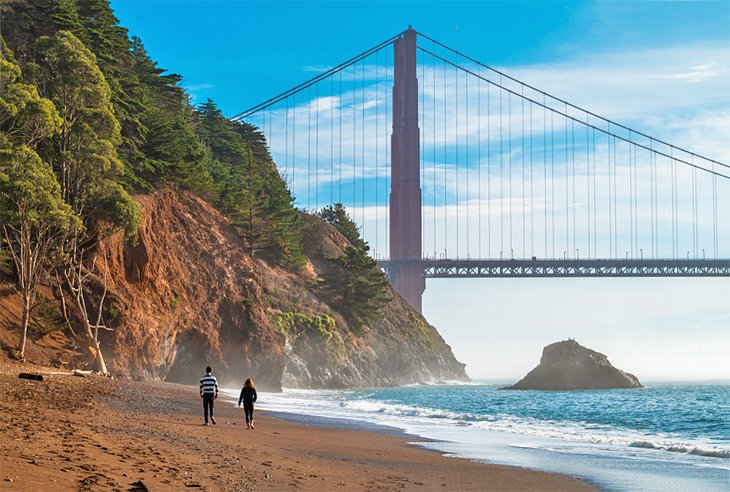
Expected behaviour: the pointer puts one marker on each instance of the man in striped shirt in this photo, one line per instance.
(208, 392)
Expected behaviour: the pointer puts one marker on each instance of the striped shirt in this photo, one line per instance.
(208, 385)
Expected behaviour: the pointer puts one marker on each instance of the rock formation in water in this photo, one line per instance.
(568, 365)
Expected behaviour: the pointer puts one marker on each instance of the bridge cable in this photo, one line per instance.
(565, 115)
(316, 149)
(446, 224)
(387, 155)
(433, 129)
(466, 161)
(362, 114)
(309, 150)
(544, 175)
(308, 83)
(354, 142)
(422, 155)
(509, 171)
(479, 161)
(339, 135)
(377, 153)
(567, 190)
(456, 155)
(489, 173)
(552, 179)
(522, 139)
(332, 141)
(501, 74)
(501, 178)
(532, 191)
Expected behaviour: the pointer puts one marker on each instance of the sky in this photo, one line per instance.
(659, 67)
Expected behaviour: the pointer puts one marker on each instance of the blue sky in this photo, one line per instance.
(660, 67)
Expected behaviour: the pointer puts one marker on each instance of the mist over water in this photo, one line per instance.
(669, 435)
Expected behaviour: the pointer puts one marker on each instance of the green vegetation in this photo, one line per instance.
(295, 324)
(424, 334)
(358, 288)
(87, 118)
(338, 217)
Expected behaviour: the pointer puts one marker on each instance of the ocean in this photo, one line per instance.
(666, 436)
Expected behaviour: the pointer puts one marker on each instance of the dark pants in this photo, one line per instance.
(208, 402)
(248, 410)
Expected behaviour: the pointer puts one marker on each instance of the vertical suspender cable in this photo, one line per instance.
(433, 129)
(456, 153)
(715, 243)
(522, 138)
(377, 153)
(675, 233)
(466, 161)
(544, 172)
(446, 223)
(332, 141)
(532, 185)
(362, 140)
(479, 160)
(567, 189)
(572, 205)
(552, 178)
(509, 169)
(316, 148)
(489, 173)
(286, 140)
(354, 142)
(588, 183)
(501, 176)
(422, 156)
(340, 109)
(309, 150)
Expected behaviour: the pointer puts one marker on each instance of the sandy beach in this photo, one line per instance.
(93, 433)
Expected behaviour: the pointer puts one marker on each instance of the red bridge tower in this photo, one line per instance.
(405, 188)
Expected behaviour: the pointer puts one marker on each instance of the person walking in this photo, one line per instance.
(208, 392)
(248, 397)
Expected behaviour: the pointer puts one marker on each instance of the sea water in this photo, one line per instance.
(665, 436)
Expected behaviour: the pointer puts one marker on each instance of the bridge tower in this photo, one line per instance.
(405, 188)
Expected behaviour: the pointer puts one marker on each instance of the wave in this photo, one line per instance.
(566, 431)
(683, 448)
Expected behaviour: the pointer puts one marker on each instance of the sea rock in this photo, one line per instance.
(568, 365)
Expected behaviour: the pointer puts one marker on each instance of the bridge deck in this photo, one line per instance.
(564, 268)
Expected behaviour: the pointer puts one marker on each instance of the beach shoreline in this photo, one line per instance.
(95, 433)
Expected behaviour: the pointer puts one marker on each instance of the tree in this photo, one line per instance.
(338, 217)
(356, 287)
(85, 158)
(25, 117)
(34, 219)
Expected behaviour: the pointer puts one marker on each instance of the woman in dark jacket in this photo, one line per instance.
(248, 397)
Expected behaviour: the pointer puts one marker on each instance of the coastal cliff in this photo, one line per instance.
(188, 293)
(568, 365)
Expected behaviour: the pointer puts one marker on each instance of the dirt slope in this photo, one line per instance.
(188, 294)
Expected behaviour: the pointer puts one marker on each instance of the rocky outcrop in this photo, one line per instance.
(188, 294)
(567, 365)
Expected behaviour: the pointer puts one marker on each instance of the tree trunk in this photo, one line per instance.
(24, 326)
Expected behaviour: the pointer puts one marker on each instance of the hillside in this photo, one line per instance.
(144, 236)
(188, 294)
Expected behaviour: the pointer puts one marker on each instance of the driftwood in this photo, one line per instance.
(32, 377)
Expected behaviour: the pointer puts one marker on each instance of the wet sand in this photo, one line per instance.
(93, 433)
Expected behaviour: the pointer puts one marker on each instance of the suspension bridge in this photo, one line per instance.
(454, 169)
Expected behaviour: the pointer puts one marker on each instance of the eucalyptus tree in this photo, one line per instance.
(84, 155)
(34, 219)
